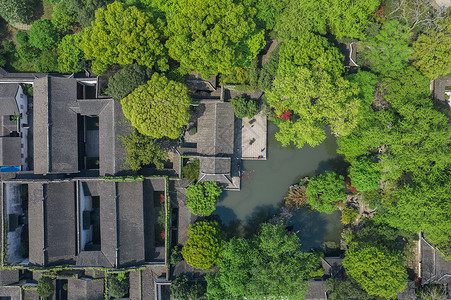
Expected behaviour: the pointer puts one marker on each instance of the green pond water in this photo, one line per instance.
(264, 184)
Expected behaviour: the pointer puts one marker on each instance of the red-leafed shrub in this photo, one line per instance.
(285, 115)
(162, 199)
(163, 234)
(349, 185)
(380, 11)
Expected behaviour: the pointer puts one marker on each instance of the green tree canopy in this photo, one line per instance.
(432, 52)
(324, 191)
(123, 35)
(45, 287)
(378, 270)
(347, 289)
(414, 140)
(268, 265)
(202, 197)
(71, 56)
(184, 289)
(213, 36)
(46, 62)
(349, 18)
(22, 37)
(62, 17)
(244, 106)
(158, 108)
(191, 170)
(367, 83)
(343, 18)
(309, 84)
(84, 9)
(118, 285)
(43, 34)
(388, 50)
(143, 150)
(127, 79)
(204, 246)
(365, 174)
(16, 11)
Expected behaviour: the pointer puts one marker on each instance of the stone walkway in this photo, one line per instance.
(257, 133)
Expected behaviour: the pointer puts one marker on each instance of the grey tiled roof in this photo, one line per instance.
(93, 259)
(55, 125)
(216, 129)
(8, 277)
(131, 223)
(10, 151)
(408, 293)
(215, 169)
(316, 291)
(11, 291)
(52, 220)
(332, 265)
(60, 222)
(36, 223)
(85, 288)
(8, 104)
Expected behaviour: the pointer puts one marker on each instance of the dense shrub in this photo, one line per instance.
(324, 191)
(202, 197)
(176, 256)
(126, 80)
(184, 289)
(45, 286)
(22, 37)
(143, 150)
(118, 285)
(244, 106)
(349, 215)
(46, 62)
(191, 170)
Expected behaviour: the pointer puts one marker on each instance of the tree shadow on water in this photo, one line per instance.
(337, 165)
(310, 227)
(261, 214)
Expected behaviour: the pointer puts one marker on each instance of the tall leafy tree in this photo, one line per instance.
(127, 79)
(380, 271)
(202, 197)
(432, 52)
(63, 18)
(309, 84)
(365, 174)
(70, 54)
(324, 191)
(43, 34)
(158, 108)
(16, 11)
(349, 18)
(204, 246)
(124, 35)
(244, 106)
(213, 36)
(367, 84)
(347, 289)
(84, 10)
(270, 265)
(389, 50)
(143, 150)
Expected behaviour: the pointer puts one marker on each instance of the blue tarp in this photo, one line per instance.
(10, 169)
